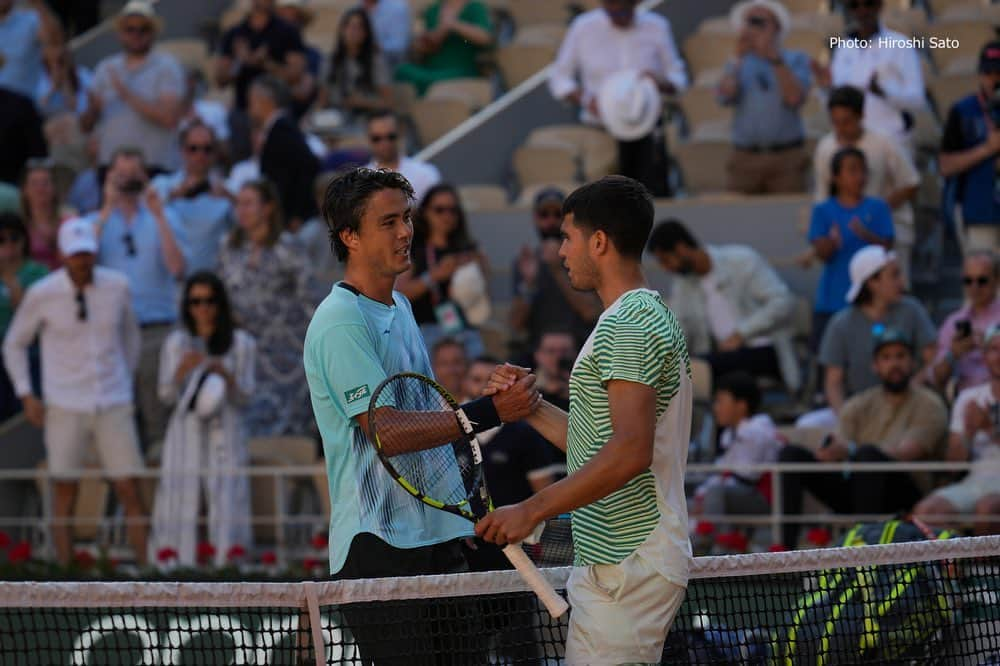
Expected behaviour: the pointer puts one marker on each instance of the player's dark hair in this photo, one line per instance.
(668, 235)
(837, 163)
(847, 97)
(743, 387)
(619, 206)
(347, 197)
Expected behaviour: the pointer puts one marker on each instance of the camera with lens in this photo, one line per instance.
(132, 186)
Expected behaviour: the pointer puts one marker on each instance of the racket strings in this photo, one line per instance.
(446, 473)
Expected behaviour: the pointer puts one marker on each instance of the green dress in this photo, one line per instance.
(29, 273)
(456, 58)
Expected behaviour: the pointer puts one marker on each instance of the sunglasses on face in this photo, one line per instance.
(980, 280)
(205, 148)
(137, 29)
(444, 210)
(756, 21)
(379, 138)
(129, 240)
(855, 5)
(81, 307)
(196, 302)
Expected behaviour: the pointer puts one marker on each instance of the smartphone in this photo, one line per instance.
(963, 328)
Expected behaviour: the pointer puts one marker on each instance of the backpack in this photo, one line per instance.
(896, 614)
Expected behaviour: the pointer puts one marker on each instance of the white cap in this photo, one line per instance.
(77, 235)
(142, 8)
(865, 263)
(630, 105)
(469, 290)
(738, 13)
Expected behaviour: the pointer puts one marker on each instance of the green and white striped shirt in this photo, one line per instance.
(637, 339)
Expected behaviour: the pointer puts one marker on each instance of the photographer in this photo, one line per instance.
(959, 352)
(969, 150)
(767, 86)
(138, 237)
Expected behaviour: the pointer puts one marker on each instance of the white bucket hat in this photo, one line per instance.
(470, 292)
(865, 263)
(211, 396)
(737, 16)
(630, 105)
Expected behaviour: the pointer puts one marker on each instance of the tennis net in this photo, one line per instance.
(912, 603)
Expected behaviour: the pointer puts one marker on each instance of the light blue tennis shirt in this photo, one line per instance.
(20, 51)
(136, 251)
(353, 343)
(205, 220)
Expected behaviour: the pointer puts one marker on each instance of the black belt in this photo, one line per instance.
(774, 148)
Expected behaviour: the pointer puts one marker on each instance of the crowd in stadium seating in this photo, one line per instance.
(204, 199)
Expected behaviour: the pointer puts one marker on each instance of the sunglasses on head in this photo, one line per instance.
(980, 280)
(205, 148)
(195, 302)
(379, 138)
(81, 306)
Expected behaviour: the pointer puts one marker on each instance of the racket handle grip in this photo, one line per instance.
(554, 603)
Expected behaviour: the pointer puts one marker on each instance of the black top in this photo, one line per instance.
(20, 134)
(516, 451)
(281, 39)
(287, 161)
(549, 309)
(423, 307)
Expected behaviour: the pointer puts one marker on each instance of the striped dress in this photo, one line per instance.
(637, 339)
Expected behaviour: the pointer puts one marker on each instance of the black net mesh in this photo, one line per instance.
(913, 609)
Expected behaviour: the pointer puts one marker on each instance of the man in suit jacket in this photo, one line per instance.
(285, 157)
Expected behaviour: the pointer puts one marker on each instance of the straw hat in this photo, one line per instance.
(143, 8)
(737, 16)
(630, 105)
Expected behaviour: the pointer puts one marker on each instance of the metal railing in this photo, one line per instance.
(284, 478)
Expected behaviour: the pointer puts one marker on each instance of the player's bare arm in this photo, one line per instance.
(627, 454)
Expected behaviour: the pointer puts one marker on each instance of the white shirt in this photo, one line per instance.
(422, 175)
(594, 49)
(982, 445)
(889, 169)
(86, 365)
(899, 75)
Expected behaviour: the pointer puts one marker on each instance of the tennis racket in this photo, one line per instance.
(447, 473)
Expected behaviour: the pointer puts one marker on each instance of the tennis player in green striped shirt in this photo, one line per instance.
(626, 438)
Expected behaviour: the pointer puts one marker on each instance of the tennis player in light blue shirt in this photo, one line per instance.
(361, 334)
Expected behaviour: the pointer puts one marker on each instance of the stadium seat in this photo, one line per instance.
(321, 32)
(474, 92)
(482, 197)
(519, 62)
(701, 107)
(945, 91)
(716, 25)
(702, 164)
(542, 34)
(595, 149)
(807, 6)
(275, 452)
(545, 164)
(970, 36)
(814, 43)
(926, 131)
(533, 12)
(434, 118)
(908, 21)
(191, 53)
(706, 55)
(827, 23)
(944, 9)
(526, 199)
(404, 96)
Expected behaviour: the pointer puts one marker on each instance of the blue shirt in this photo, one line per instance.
(761, 118)
(51, 102)
(154, 289)
(835, 281)
(353, 343)
(979, 186)
(21, 51)
(204, 221)
(391, 23)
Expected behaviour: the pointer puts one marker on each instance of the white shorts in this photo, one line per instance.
(965, 494)
(68, 435)
(621, 613)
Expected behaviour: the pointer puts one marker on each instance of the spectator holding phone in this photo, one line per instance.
(843, 224)
(959, 353)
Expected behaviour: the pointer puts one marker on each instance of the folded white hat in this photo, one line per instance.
(211, 395)
(865, 263)
(470, 291)
(629, 104)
